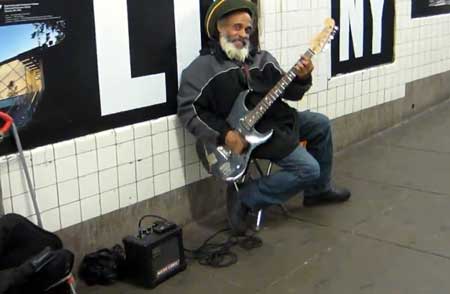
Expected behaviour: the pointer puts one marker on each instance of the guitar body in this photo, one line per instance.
(219, 160)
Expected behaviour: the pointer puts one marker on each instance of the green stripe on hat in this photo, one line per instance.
(221, 7)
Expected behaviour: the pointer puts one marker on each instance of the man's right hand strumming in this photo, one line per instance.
(236, 142)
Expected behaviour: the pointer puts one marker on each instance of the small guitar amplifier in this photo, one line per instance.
(155, 254)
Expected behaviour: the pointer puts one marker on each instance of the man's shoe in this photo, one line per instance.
(237, 212)
(333, 195)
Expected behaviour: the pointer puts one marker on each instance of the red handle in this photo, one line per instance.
(8, 122)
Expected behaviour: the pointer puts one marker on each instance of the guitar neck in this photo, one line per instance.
(253, 116)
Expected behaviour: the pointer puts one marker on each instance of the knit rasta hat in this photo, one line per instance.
(220, 8)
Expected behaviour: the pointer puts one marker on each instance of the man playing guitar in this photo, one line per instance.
(208, 90)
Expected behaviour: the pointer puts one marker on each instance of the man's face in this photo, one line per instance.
(236, 28)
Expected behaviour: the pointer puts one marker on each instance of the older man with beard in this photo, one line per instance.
(210, 86)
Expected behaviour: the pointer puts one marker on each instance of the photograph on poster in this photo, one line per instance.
(21, 67)
(422, 8)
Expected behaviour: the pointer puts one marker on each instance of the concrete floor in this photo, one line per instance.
(393, 236)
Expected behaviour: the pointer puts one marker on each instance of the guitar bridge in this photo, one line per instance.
(224, 152)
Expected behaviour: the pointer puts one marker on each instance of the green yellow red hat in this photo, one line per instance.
(220, 8)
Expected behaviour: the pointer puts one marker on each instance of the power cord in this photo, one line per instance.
(219, 255)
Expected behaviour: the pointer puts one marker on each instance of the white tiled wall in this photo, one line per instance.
(80, 179)
(83, 178)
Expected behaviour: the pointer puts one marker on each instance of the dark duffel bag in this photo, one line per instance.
(30, 257)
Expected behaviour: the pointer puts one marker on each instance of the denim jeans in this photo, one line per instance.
(304, 169)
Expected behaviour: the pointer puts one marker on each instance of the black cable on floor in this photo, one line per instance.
(219, 255)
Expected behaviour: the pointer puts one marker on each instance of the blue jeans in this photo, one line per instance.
(304, 169)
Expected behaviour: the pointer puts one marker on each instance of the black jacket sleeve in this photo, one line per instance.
(194, 109)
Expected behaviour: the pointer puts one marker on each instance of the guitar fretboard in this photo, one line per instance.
(253, 116)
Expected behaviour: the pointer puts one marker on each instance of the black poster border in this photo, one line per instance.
(420, 8)
(387, 55)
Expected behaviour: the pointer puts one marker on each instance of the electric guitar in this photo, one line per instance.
(220, 160)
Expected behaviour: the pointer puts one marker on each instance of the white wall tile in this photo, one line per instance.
(105, 138)
(144, 168)
(162, 183)
(47, 198)
(145, 189)
(177, 178)
(87, 163)
(108, 179)
(127, 195)
(85, 144)
(192, 173)
(124, 134)
(33, 219)
(125, 152)
(331, 110)
(348, 106)
(14, 163)
(190, 154)
(322, 99)
(5, 186)
(142, 129)
(68, 192)
(357, 104)
(44, 175)
(70, 214)
(89, 185)
(18, 181)
(161, 163)
(42, 154)
(160, 142)
(109, 201)
(159, 125)
(176, 138)
(143, 147)
(7, 205)
(174, 122)
(23, 205)
(127, 174)
(90, 207)
(66, 168)
(107, 157)
(51, 220)
(176, 158)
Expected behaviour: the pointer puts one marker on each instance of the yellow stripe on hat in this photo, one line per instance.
(210, 15)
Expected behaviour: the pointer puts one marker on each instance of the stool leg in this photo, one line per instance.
(258, 220)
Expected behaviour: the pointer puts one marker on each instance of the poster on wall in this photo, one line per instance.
(71, 68)
(366, 34)
(421, 8)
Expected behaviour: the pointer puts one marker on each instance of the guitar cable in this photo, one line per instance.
(219, 255)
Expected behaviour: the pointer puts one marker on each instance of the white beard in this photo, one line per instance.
(232, 52)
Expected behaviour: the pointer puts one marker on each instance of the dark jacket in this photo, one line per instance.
(212, 82)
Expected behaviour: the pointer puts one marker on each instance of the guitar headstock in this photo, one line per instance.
(325, 37)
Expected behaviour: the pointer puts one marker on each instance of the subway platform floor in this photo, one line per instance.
(393, 236)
